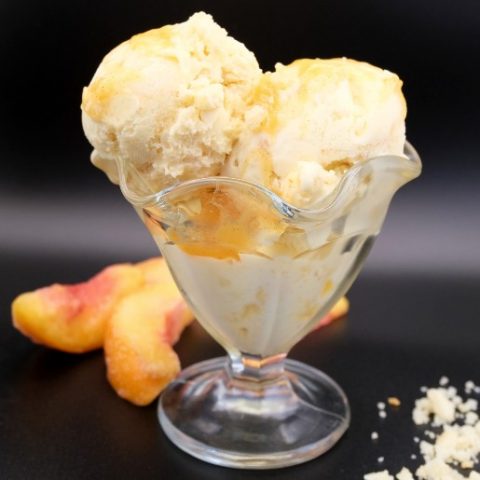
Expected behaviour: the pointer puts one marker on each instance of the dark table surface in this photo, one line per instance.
(60, 419)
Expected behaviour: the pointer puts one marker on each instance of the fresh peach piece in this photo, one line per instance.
(72, 318)
(338, 310)
(156, 271)
(135, 311)
(140, 359)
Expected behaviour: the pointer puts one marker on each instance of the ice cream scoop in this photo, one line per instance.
(169, 102)
(312, 120)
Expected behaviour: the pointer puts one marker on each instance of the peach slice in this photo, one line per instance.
(155, 271)
(135, 311)
(140, 359)
(338, 310)
(72, 318)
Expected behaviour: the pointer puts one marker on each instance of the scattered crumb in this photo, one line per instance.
(471, 418)
(437, 470)
(451, 391)
(458, 443)
(436, 403)
(394, 401)
(384, 475)
(469, 385)
(453, 449)
(427, 450)
(444, 381)
(469, 406)
(404, 474)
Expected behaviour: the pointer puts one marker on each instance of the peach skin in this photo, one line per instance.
(140, 359)
(155, 271)
(338, 310)
(135, 311)
(72, 318)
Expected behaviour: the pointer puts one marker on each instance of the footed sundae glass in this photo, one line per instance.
(259, 274)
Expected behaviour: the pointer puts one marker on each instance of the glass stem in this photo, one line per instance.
(255, 368)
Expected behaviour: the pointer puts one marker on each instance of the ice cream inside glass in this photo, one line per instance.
(265, 216)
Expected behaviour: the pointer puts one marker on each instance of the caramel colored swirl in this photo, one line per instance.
(223, 222)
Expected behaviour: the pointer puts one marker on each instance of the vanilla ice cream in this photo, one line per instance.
(259, 305)
(187, 101)
(312, 120)
(169, 103)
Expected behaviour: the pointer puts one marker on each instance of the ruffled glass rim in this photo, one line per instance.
(408, 166)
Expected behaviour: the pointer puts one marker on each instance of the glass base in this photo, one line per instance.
(221, 419)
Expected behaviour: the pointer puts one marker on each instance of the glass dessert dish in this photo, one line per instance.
(259, 274)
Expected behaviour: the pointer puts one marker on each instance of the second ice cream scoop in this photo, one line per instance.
(312, 120)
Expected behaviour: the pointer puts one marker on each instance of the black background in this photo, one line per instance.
(415, 309)
(50, 50)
